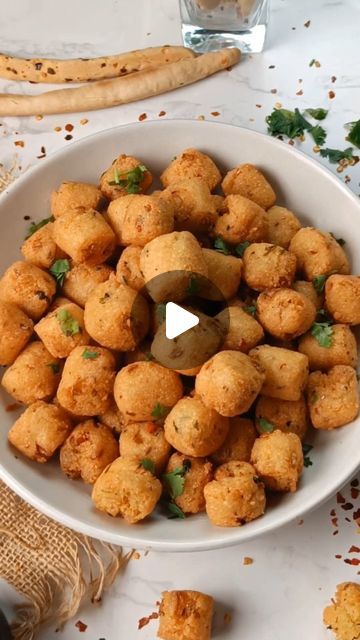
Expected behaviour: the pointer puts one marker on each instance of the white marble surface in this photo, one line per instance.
(295, 571)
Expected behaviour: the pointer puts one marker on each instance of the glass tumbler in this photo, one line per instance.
(214, 24)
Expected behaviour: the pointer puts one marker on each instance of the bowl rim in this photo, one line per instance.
(140, 541)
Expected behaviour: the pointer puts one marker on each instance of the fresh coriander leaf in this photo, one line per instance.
(221, 246)
(68, 325)
(193, 287)
(149, 356)
(265, 426)
(354, 135)
(317, 114)
(55, 367)
(148, 465)
(319, 134)
(251, 309)
(240, 248)
(116, 180)
(311, 64)
(314, 398)
(159, 411)
(58, 270)
(323, 333)
(288, 123)
(175, 480)
(319, 283)
(335, 155)
(35, 226)
(130, 180)
(161, 311)
(174, 511)
(90, 355)
(306, 449)
(307, 462)
(340, 241)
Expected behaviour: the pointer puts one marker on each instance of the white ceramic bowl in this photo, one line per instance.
(316, 195)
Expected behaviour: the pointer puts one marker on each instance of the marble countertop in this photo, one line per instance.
(294, 571)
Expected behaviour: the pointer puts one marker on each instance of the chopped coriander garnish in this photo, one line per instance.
(251, 309)
(160, 411)
(306, 449)
(283, 122)
(354, 135)
(221, 246)
(319, 283)
(148, 356)
(174, 511)
(55, 367)
(175, 480)
(265, 426)
(240, 248)
(317, 114)
(68, 325)
(58, 270)
(340, 241)
(311, 64)
(161, 311)
(193, 286)
(323, 333)
(314, 398)
(335, 155)
(319, 134)
(90, 355)
(148, 465)
(131, 180)
(35, 226)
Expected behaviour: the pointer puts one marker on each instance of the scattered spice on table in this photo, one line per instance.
(300, 92)
(39, 117)
(271, 66)
(68, 137)
(57, 129)
(12, 407)
(142, 116)
(333, 79)
(331, 94)
(215, 113)
(259, 106)
(340, 498)
(227, 617)
(84, 121)
(145, 621)
(338, 556)
(81, 626)
(19, 143)
(273, 91)
(69, 127)
(307, 24)
(247, 560)
(354, 549)
(161, 114)
(301, 522)
(200, 118)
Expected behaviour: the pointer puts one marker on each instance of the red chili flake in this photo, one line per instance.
(142, 116)
(81, 626)
(355, 493)
(353, 561)
(68, 137)
(354, 483)
(335, 532)
(69, 127)
(162, 113)
(338, 556)
(300, 93)
(340, 498)
(347, 507)
(144, 621)
(215, 113)
(12, 407)
(333, 512)
(19, 143)
(258, 106)
(354, 549)
(333, 78)
(273, 91)
(331, 95)
(335, 521)
(307, 24)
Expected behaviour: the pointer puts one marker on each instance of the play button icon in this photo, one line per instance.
(178, 320)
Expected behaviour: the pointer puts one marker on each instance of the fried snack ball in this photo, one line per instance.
(185, 615)
(198, 474)
(15, 331)
(278, 459)
(243, 331)
(146, 390)
(29, 287)
(286, 372)
(40, 248)
(285, 313)
(62, 330)
(246, 180)
(40, 431)
(145, 441)
(136, 219)
(119, 172)
(194, 207)
(266, 266)
(283, 225)
(116, 316)
(128, 268)
(82, 279)
(343, 349)
(307, 289)
(289, 416)
(87, 382)
(176, 256)
(343, 615)
(112, 417)
(224, 272)
(190, 164)
(229, 382)
(238, 442)
(317, 253)
(235, 496)
(85, 236)
(333, 397)
(342, 298)
(72, 196)
(195, 429)
(126, 489)
(35, 375)
(241, 219)
(89, 448)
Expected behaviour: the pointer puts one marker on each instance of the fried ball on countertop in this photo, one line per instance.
(290, 416)
(190, 164)
(126, 489)
(195, 429)
(15, 331)
(342, 298)
(62, 330)
(128, 268)
(229, 382)
(317, 253)
(40, 248)
(343, 349)
(246, 180)
(307, 289)
(283, 225)
(130, 173)
(194, 207)
(85, 236)
(145, 391)
(137, 219)
(87, 451)
(72, 196)
(29, 287)
(224, 272)
(82, 279)
(40, 431)
(278, 459)
(116, 316)
(198, 474)
(145, 441)
(286, 372)
(333, 397)
(241, 219)
(235, 496)
(243, 331)
(238, 443)
(343, 615)
(285, 313)
(266, 266)
(87, 382)
(185, 615)
(34, 375)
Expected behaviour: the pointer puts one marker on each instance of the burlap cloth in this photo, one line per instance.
(52, 567)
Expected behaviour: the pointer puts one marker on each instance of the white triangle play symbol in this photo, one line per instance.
(178, 320)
